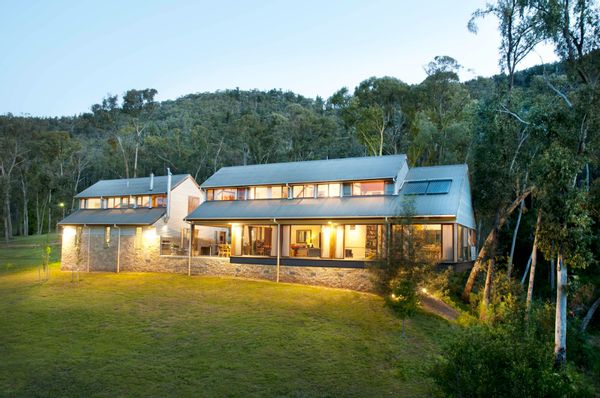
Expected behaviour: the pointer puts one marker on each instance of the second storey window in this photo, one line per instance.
(304, 191)
(367, 188)
(328, 190)
(93, 203)
(159, 201)
(224, 194)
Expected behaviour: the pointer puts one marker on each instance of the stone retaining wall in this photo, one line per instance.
(144, 256)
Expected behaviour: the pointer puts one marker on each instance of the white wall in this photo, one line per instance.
(400, 177)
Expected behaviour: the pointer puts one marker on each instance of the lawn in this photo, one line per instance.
(26, 252)
(171, 335)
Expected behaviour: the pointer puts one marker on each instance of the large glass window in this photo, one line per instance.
(363, 242)
(93, 203)
(328, 190)
(260, 193)
(463, 246)
(159, 201)
(304, 191)
(213, 241)
(420, 240)
(142, 201)
(366, 188)
(305, 241)
(258, 240)
(267, 192)
(225, 194)
(447, 242)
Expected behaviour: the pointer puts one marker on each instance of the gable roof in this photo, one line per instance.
(455, 203)
(131, 186)
(138, 216)
(345, 169)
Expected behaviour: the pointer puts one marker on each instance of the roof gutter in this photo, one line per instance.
(169, 175)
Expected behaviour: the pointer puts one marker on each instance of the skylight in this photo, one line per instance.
(430, 187)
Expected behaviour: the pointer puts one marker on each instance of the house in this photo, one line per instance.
(314, 222)
(124, 224)
(322, 221)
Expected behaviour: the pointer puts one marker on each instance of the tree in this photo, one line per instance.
(520, 31)
(441, 131)
(11, 156)
(566, 225)
(139, 105)
(375, 113)
(403, 269)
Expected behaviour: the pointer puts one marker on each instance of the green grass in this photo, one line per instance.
(171, 335)
(20, 253)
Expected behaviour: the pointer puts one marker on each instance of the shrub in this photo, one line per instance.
(510, 359)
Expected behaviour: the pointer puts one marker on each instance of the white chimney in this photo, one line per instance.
(168, 194)
(151, 181)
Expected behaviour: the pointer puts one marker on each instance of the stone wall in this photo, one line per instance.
(142, 254)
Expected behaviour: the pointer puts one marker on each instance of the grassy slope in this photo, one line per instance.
(26, 252)
(165, 334)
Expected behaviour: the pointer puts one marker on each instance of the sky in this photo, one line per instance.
(60, 57)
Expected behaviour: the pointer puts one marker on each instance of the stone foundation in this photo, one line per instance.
(142, 254)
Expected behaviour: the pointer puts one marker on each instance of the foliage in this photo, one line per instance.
(512, 357)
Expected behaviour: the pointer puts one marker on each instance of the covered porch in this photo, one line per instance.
(334, 242)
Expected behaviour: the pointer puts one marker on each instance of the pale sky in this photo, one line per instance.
(60, 57)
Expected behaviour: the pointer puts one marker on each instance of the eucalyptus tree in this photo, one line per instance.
(375, 113)
(441, 130)
(12, 151)
(520, 31)
(574, 29)
(139, 105)
(108, 118)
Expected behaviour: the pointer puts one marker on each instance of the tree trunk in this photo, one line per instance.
(590, 314)
(49, 211)
(491, 239)
(483, 254)
(135, 160)
(487, 291)
(526, 271)
(125, 162)
(552, 284)
(533, 262)
(25, 208)
(5, 229)
(7, 219)
(560, 325)
(514, 240)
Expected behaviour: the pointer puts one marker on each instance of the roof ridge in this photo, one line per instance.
(439, 165)
(315, 160)
(139, 178)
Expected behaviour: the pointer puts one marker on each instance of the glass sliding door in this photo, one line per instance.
(333, 241)
(258, 240)
(364, 242)
(305, 241)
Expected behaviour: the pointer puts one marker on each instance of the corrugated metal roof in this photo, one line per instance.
(372, 206)
(458, 199)
(451, 204)
(131, 186)
(140, 216)
(362, 168)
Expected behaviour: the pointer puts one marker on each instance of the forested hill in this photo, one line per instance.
(438, 121)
